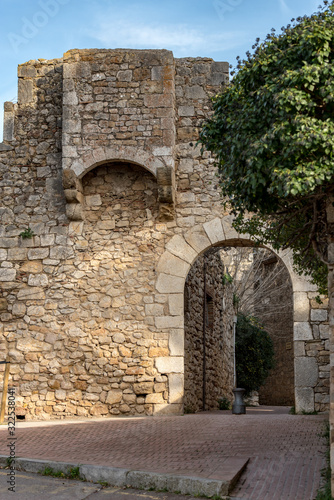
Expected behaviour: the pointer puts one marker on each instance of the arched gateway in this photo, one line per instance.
(172, 270)
(106, 203)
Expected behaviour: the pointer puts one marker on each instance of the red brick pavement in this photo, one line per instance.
(286, 451)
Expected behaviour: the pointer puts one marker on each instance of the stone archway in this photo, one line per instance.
(119, 153)
(172, 269)
(162, 170)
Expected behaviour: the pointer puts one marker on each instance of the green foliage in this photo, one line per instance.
(227, 278)
(27, 233)
(104, 484)
(304, 412)
(272, 133)
(49, 471)
(254, 353)
(292, 411)
(224, 403)
(73, 473)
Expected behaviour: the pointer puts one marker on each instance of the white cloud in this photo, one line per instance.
(180, 38)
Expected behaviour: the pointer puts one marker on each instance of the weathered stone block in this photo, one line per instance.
(70, 98)
(74, 212)
(143, 387)
(25, 92)
(302, 331)
(186, 111)
(38, 280)
(93, 200)
(8, 125)
(154, 398)
(73, 196)
(171, 364)
(32, 345)
(31, 368)
(31, 293)
(176, 388)
(306, 372)
(168, 409)
(195, 92)
(301, 309)
(8, 242)
(32, 267)
(319, 315)
(36, 311)
(324, 331)
(5, 147)
(3, 304)
(176, 304)
(169, 321)
(170, 264)
(7, 274)
(17, 253)
(154, 310)
(26, 71)
(176, 342)
(179, 247)
(299, 348)
(198, 241)
(155, 352)
(38, 253)
(119, 338)
(214, 230)
(114, 397)
(59, 252)
(169, 284)
(304, 399)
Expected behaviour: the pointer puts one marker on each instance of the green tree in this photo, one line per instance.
(254, 353)
(272, 133)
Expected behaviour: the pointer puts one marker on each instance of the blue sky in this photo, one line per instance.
(221, 29)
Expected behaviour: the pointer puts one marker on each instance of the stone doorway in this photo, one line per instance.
(309, 335)
(222, 282)
(263, 289)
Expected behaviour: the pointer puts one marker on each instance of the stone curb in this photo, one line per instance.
(115, 476)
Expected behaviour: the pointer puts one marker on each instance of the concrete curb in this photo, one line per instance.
(134, 478)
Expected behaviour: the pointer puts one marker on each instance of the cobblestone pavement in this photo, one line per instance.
(286, 451)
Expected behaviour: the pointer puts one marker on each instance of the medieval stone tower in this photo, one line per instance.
(106, 202)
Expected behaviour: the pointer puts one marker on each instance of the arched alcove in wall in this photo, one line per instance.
(119, 154)
(119, 197)
(173, 267)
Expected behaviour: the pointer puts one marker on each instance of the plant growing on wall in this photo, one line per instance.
(27, 233)
(254, 353)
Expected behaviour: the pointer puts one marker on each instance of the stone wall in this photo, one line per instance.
(208, 354)
(274, 308)
(100, 163)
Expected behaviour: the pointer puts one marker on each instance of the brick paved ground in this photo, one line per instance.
(285, 451)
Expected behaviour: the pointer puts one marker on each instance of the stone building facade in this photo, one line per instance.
(208, 334)
(263, 286)
(106, 202)
(274, 308)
